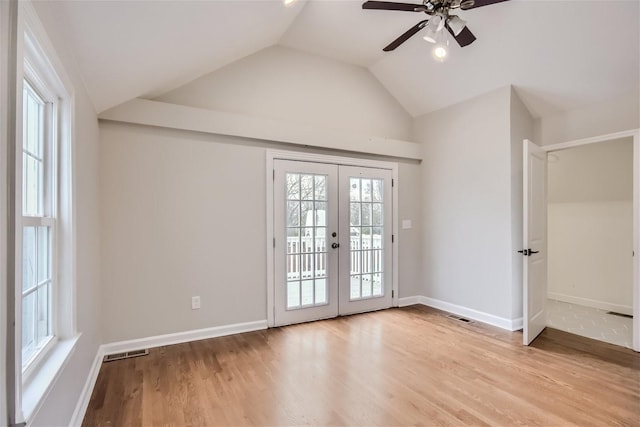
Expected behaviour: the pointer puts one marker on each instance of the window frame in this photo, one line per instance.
(47, 213)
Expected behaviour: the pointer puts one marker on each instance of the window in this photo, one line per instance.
(45, 330)
(38, 221)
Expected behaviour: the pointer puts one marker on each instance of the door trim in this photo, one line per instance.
(635, 134)
(272, 155)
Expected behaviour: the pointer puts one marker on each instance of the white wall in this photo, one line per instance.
(467, 211)
(183, 214)
(286, 84)
(593, 120)
(61, 401)
(590, 220)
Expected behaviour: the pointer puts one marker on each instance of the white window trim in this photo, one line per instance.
(272, 155)
(37, 59)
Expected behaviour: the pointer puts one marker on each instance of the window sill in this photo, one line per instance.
(43, 379)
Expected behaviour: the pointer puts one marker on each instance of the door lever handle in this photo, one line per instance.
(335, 245)
(528, 252)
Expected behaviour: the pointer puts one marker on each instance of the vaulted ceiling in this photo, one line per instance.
(560, 55)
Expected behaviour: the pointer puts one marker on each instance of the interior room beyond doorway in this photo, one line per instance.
(590, 240)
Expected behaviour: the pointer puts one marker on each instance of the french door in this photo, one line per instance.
(333, 252)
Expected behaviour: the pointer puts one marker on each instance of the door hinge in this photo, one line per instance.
(392, 182)
(393, 293)
(274, 242)
(392, 238)
(274, 174)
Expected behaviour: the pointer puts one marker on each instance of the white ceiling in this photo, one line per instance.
(560, 55)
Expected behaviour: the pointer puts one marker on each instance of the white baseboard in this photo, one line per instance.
(480, 316)
(602, 305)
(403, 302)
(87, 390)
(151, 342)
(181, 337)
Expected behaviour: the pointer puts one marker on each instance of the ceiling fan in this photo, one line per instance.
(439, 18)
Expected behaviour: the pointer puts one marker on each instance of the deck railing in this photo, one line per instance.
(304, 255)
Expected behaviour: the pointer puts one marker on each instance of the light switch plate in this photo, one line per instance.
(195, 303)
(406, 224)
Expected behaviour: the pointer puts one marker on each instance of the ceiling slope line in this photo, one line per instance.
(180, 117)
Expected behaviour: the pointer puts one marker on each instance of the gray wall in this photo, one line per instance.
(522, 127)
(183, 215)
(472, 202)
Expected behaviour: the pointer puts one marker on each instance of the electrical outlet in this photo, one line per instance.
(195, 303)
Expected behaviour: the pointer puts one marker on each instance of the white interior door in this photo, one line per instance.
(333, 250)
(535, 241)
(305, 227)
(365, 244)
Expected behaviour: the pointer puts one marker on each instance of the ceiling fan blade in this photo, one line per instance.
(480, 3)
(464, 38)
(404, 37)
(389, 5)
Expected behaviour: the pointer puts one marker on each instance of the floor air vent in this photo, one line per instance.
(620, 314)
(125, 355)
(458, 318)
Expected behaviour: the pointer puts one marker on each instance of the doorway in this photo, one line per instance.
(333, 238)
(590, 245)
(535, 266)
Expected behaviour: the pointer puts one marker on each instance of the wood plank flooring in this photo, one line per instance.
(409, 366)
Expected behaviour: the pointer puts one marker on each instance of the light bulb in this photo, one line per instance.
(439, 53)
(440, 50)
(288, 3)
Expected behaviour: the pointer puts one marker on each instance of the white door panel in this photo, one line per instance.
(535, 241)
(365, 244)
(306, 273)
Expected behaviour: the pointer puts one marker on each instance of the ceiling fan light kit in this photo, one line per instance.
(439, 18)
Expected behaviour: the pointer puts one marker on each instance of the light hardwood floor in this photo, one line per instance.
(409, 366)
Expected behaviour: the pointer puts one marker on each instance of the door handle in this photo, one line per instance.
(335, 245)
(528, 252)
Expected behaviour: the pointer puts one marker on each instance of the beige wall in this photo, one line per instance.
(286, 84)
(590, 220)
(184, 214)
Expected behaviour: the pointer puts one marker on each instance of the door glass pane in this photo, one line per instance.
(377, 284)
(354, 190)
(366, 285)
(293, 294)
(366, 190)
(306, 239)
(367, 231)
(321, 291)
(354, 290)
(307, 292)
(293, 213)
(320, 187)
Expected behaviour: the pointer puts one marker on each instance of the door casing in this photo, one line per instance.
(272, 155)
